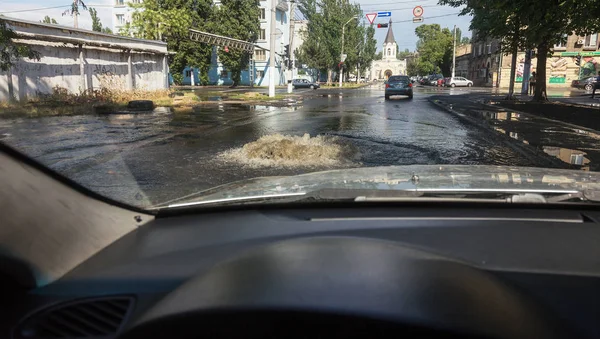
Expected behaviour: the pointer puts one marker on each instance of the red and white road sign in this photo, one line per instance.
(418, 11)
(371, 17)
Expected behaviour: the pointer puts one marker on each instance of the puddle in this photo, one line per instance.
(277, 150)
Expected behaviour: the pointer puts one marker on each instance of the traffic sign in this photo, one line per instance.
(384, 14)
(371, 17)
(417, 19)
(418, 11)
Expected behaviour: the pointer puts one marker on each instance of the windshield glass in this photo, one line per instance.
(161, 101)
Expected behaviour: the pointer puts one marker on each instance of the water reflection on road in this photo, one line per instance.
(153, 157)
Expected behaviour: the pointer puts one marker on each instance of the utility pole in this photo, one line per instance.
(273, 36)
(454, 53)
(292, 26)
(341, 73)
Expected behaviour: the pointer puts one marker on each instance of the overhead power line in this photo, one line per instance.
(34, 9)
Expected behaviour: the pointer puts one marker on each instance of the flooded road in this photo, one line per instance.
(146, 159)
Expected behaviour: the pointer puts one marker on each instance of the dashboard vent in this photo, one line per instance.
(87, 318)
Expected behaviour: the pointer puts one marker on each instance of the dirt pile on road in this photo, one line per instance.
(278, 150)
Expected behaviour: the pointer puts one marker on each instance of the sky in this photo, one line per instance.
(401, 11)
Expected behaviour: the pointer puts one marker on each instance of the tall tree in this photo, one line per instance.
(170, 21)
(238, 19)
(435, 49)
(326, 20)
(11, 51)
(49, 20)
(465, 41)
(96, 24)
(531, 24)
(74, 11)
(403, 54)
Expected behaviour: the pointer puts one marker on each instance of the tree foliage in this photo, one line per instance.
(170, 20)
(49, 20)
(531, 24)
(435, 49)
(11, 51)
(96, 24)
(323, 37)
(403, 54)
(238, 19)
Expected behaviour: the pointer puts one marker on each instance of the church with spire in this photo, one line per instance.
(389, 64)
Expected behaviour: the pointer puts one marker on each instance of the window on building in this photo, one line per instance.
(591, 40)
(224, 73)
(120, 19)
(389, 51)
(479, 49)
(188, 74)
(260, 55)
(120, 2)
(262, 15)
(260, 74)
(262, 34)
(489, 48)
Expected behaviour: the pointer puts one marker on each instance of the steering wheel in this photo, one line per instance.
(330, 287)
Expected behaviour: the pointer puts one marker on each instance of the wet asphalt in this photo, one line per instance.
(149, 158)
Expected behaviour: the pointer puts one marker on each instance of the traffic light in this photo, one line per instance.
(382, 25)
(286, 51)
(578, 60)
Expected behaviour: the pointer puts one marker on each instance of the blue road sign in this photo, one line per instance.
(384, 14)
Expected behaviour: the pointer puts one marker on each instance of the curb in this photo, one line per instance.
(527, 151)
(543, 118)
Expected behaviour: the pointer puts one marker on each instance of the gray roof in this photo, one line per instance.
(389, 38)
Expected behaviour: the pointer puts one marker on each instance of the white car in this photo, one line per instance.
(459, 81)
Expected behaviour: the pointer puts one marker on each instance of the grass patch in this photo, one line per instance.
(255, 96)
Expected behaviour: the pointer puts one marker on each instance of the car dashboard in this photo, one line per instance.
(486, 272)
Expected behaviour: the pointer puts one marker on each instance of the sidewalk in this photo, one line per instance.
(552, 143)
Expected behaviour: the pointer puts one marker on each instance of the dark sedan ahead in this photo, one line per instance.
(398, 85)
(586, 83)
(303, 83)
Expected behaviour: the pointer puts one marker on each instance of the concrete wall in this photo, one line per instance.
(81, 60)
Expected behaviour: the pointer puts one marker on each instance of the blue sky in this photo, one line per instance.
(401, 11)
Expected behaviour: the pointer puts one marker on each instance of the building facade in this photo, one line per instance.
(218, 75)
(82, 60)
(561, 66)
(389, 64)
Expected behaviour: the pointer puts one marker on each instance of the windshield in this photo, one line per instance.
(160, 101)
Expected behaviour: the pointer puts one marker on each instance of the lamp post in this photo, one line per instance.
(342, 52)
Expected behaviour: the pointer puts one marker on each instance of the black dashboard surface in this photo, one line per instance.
(550, 255)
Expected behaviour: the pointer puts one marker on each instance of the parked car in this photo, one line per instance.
(458, 82)
(303, 83)
(434, 80)
(586, 83)
(398, 85)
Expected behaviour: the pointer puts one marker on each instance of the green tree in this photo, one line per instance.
(96, 24)
(403, 54)
(532, 24)
(465, 41)
(170, 21)
(378, 56)
(49, 20)
(11, 51)
(74, 11)
(326, 18)
(238, 19)
(434, 48)
(106, 30)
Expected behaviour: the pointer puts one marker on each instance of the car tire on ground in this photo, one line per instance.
(452, 85)
(312, 87)
(588, 87)
(387, 97)
(469, 84)
(410, 96)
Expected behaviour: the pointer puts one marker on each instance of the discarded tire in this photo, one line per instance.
(140, 105)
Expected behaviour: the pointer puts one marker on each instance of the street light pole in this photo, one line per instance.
(272, 48)
(454, 53)
(342, 51)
